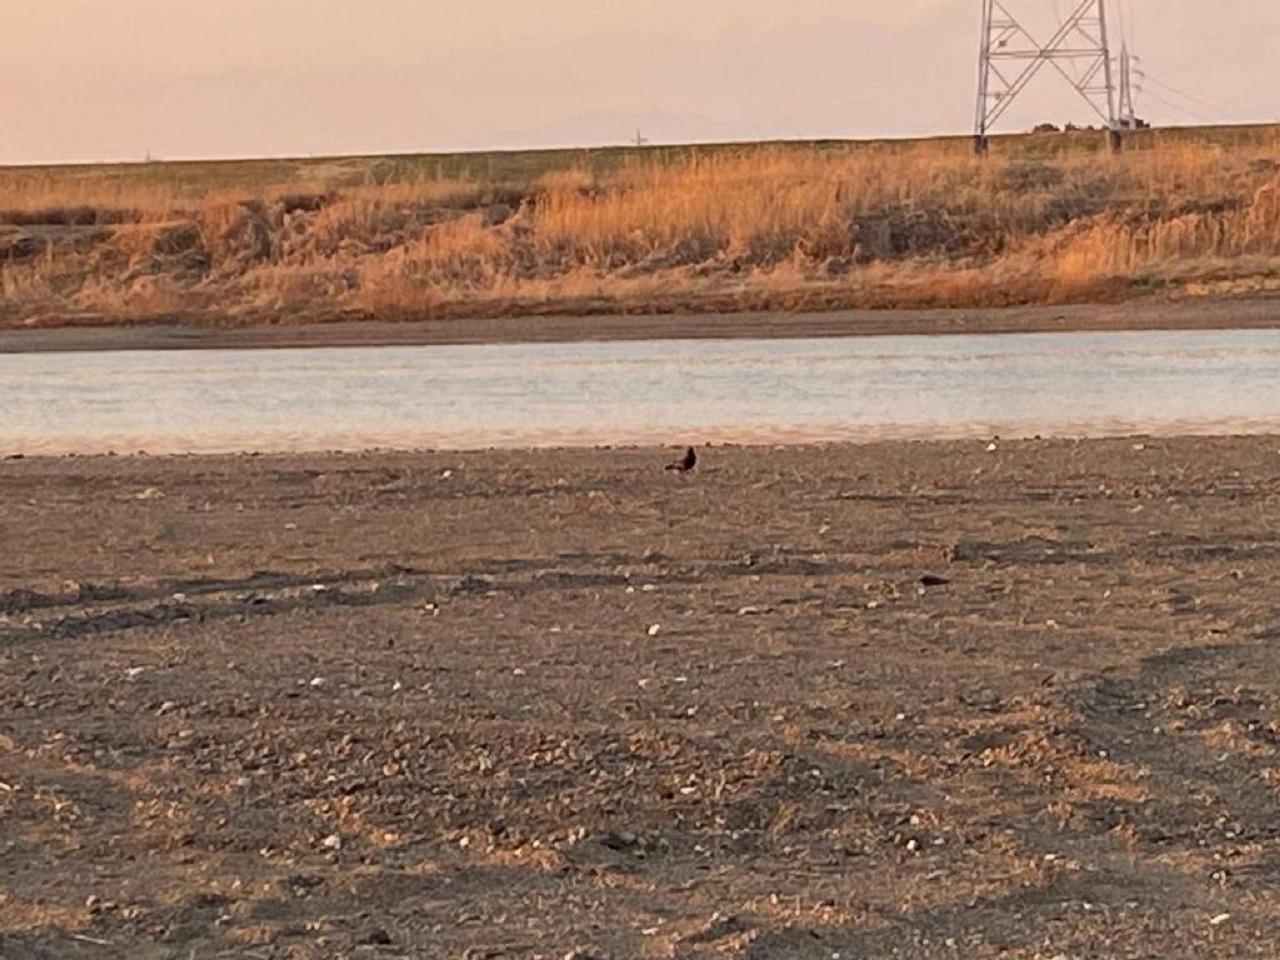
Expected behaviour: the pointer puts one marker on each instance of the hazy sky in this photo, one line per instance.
(114, 79)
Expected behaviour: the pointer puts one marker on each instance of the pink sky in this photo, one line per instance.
(116, 79)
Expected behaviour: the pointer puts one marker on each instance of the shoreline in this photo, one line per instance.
(796, 441)
(143, 450)
(1216, 313)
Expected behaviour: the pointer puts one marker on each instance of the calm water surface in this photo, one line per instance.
(1078, 384)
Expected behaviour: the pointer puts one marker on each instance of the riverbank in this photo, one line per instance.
(898, 699)
(735, 228)
(1198, 313)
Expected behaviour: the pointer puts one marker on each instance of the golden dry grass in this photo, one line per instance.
(919, 224)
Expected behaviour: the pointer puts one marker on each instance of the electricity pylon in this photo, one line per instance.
(1078, 50)
(1128, 113)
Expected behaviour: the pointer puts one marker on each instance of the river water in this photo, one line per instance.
(668, 392)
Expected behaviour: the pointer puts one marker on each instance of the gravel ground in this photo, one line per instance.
(904, 700)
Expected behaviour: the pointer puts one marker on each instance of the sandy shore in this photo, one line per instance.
(910, 700)
(1190, 314)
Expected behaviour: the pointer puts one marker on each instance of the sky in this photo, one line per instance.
(90, 80)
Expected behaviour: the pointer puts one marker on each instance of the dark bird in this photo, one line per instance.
(685, 463)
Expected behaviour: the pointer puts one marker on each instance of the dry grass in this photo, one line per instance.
(922, 224)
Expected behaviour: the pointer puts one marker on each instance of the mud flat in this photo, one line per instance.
(909, 700)
(1261, 311)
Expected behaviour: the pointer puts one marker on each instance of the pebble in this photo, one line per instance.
(317, 682)
(332, 842)
(1219, 920)
(655, 629)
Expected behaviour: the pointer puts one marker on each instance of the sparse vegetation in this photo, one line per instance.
(1045, 218)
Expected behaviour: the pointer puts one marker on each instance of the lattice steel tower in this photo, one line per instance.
(1011, 57)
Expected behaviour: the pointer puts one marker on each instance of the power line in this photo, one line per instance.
(1206, 102)
(1186, 113)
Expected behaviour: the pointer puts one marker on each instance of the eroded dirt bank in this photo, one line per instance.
(525, 704)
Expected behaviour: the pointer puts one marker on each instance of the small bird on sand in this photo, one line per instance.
(685, 463)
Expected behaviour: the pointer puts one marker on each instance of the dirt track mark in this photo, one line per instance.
(261, 602)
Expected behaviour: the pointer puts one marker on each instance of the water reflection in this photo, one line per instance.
(641, 392)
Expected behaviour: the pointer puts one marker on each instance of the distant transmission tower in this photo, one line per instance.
(1011, 58)
(1128, 113)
